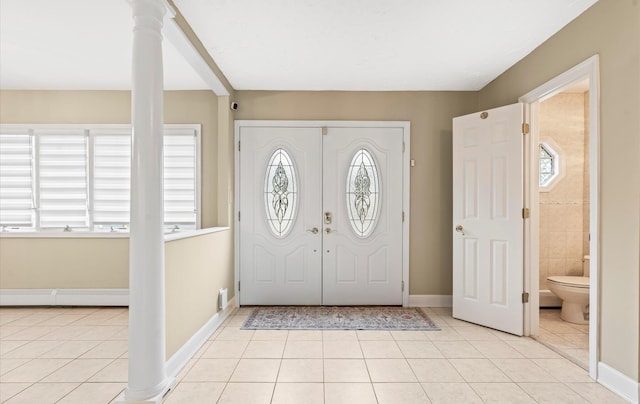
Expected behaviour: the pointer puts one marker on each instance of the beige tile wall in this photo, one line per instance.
(564, 210)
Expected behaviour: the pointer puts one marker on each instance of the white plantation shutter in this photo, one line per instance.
(180, 168)
(16, 180)
(111, 178)
(62, 167)
(59, 176)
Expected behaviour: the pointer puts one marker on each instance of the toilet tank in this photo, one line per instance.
(585, 265)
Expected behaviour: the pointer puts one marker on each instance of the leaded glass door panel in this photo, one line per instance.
(280, 199)
(362, 195)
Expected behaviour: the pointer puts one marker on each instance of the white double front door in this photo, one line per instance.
(320, 215)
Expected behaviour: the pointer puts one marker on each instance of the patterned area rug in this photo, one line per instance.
(338, 318)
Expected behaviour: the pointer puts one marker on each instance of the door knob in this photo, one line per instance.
(460, 229)
(314, 230)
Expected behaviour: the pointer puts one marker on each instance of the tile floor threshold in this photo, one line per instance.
(79, 355)
(569, 340)
(562, 353)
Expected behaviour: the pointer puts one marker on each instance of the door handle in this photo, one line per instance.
(460, 229)
(314, 230)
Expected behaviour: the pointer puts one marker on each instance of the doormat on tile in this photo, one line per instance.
(338, 318)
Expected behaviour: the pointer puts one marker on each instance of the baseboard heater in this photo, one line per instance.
(64, 297)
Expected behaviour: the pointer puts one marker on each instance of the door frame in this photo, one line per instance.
(589, 69)
(406, 174)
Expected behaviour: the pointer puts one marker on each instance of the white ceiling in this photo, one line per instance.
(284, 44)
(373, 44)
(76, 45)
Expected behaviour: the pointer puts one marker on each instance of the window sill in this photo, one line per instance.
(93, 234)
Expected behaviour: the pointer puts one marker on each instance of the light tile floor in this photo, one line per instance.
(568, 339)
(78, 355)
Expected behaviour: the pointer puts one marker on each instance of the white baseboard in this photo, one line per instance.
(27, 297)
(548, 299)
(430, 301)
(179, 359)
(621, 384)
(64, 297)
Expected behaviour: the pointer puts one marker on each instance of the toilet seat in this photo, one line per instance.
(572, 281)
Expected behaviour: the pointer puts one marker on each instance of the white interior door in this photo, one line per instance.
(280, 195)
(487, 218)
(362, 203)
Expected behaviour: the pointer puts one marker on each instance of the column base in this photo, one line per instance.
(157, 399)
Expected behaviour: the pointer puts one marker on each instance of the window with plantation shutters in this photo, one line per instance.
(111, 179)
(62, 179)
(112, 176)
(77, 177)
(180, 151)
(16, 180)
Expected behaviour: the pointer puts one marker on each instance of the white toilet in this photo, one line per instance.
(574, 292)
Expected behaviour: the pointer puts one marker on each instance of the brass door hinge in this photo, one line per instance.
(324, 131)
(403, 286)
(525, 213)
(525, 297)
(238, 145)
(525, 128)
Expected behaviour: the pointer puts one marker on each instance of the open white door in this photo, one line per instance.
(488, 218)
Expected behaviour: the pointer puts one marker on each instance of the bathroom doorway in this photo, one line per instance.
(563, 206)
(561, 191)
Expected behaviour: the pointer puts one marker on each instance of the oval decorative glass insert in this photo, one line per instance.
(280, 193)
(363, 193)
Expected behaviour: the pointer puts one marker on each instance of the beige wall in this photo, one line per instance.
(196, 268)
(562, 206)
(611, 28)
(64, 263)
(430, 114)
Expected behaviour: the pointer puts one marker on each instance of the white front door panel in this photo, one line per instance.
(280, 261)
(362, 249)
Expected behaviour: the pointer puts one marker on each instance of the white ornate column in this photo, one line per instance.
(148, 379)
